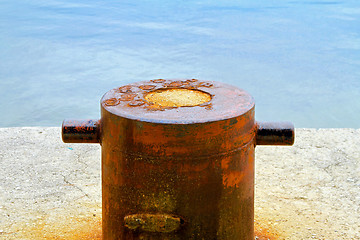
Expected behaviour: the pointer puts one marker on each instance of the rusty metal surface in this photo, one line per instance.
(156, 223)
(80, 131)
(275, 133)
(129, 102)
(178, 169)
(196, 163)
(198, 176)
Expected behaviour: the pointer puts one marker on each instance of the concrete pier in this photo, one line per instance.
(52, 190)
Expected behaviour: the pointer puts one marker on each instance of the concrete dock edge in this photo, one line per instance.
(52, 190)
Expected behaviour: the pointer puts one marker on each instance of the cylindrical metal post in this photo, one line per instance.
(177, 159)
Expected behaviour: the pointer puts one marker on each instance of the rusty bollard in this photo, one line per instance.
(177, 159)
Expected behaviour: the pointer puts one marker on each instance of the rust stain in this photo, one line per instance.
(147, 87)
(263, 232)
(233, 179)
(156, 107)
(159, 223)
(90, 229)
(140, 91)
(209, 107)
(125, 89)
(158, 80)
(128, 96)
(225, 163)
(69, 229)
(174, 84)
(112, 102)
(205, 84)
(136, 103)
(192, 80)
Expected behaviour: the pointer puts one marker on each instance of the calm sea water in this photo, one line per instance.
(299, 59)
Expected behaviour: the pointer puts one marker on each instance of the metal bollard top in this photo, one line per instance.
(177, 101)
(180, 102)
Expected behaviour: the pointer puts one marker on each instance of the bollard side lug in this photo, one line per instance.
(80, 131)
(275, 133)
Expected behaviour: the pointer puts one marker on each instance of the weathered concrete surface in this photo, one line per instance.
(51, 190)
(311, 190)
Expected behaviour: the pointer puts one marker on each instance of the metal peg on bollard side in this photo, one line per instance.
(81, 131)
(275, 133)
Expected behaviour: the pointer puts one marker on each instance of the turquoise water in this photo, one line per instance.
(299, 59)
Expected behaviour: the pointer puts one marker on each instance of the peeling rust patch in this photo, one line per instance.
(147, 87)
(192, 80)
(155, 107)
(125, 89)
(174, 84)
(223, 98)
(159, 223)
(136, 103)
(139, 92)
(128, 97)
(205, 84)
(158, 80)
(112, 102)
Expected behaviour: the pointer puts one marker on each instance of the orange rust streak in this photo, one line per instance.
(90, 228)
(263, 233)
(233, 179)
(225, 163)
(70, 229)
